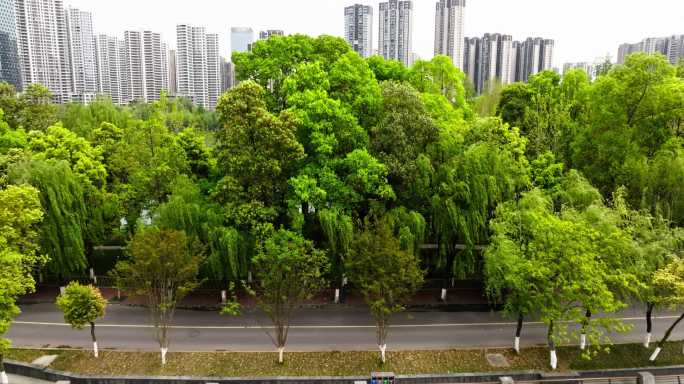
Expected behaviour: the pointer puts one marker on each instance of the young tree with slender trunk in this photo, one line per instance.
(668, 288)
(163, 268)
(290, 271)
(82, 305)
(385, 274)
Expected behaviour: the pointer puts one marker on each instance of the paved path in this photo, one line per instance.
(41, 325)
(14, 379)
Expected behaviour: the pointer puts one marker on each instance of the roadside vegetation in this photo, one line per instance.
(322, 169)
(226, 364)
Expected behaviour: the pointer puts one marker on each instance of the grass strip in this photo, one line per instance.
(229, 364)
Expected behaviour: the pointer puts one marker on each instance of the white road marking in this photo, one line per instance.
(442, 325)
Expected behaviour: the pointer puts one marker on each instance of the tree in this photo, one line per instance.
(257, 151)
(82, 305)
(552, 265)
(404, 132)
(473, 175)
(290, 271)
(20, 215)
(163, 268)
(388, 70)
(668, 283)
(36, 110)
(63, 230)
(385, 274)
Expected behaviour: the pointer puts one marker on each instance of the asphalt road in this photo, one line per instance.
(42, 325)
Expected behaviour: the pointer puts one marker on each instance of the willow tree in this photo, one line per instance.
(64, 227)
(339, 233)
(20, 217)
(471, 179)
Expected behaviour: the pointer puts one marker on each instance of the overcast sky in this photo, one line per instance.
(583, 29)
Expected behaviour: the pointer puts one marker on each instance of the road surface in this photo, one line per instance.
(42, 325)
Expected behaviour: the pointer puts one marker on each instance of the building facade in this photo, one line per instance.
(147, 66)
(395, 41)
(263, 35)
(358, 28)
(112, 75)
(241, 39)
(449, 37)
(10, 69)
(43, 46)
(672, 47)
(173, 83)
(498, 58)
(198, 65)
(82, 49)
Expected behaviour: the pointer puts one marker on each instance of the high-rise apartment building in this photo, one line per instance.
(213, 70)
(396, 31)
(10, 70)
(449, 38)
(470, 58)
(358, 28)
(82, 50)
(496, 57)
(263, 35)
(226, 75)
(147, 65)
(198, 65)
(173, 83)
(241, 39)
(112, 75)
(671, 47)
(43, 46)
(589, 68)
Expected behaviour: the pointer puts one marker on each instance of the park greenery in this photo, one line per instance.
(562, 195)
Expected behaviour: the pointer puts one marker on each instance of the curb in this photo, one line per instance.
(36, 372)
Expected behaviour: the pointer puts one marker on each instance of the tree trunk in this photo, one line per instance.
(383, 350)
(585, 324)
(281, 351)
(518, 331)
(3, 375)
(649, 324)
(164, 351)
(662, 342)
(552, 346)
(92, 334)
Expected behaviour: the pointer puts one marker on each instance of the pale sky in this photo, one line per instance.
(584, 30)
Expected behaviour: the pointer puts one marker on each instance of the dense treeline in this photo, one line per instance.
(562, 195)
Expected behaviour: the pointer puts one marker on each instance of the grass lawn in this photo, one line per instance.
(340, 363)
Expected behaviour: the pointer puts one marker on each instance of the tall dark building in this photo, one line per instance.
(10, 70)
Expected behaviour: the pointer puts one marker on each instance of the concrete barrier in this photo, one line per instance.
(641, 374)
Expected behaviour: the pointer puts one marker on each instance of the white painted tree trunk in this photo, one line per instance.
(444, 294)
(249, 277)
(554, 359)
(583, 341)
(647, 340)
(62, 290)
(383, 350)
(516, 345)
(337, 295)
(655, 354)
(163, 355)
(223, 297)
(95, 351)
(281, 350)
(345, 281)
(3, 378)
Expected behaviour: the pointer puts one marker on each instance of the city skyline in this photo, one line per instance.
(585, 41)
